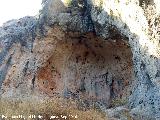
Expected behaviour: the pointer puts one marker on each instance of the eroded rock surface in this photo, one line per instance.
(80, 66)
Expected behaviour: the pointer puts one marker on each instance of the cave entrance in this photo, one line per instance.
(90, 68)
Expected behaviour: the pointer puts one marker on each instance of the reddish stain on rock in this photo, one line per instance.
(47, 79)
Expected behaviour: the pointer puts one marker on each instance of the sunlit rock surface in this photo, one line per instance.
(92, 50)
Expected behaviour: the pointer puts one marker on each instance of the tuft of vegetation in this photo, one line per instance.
(101, 4)
(68, 3)
(153, 22)
(127, 115)
(118, 102)
(63, 109)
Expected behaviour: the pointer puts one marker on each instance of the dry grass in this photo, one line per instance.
(47, 108)
(118, 102)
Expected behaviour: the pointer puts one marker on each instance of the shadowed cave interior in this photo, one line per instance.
(88, 67)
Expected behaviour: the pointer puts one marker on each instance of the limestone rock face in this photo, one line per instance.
(91, 50)
(143, 40)
(72, 16)
(72, 65)
(15, 36)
